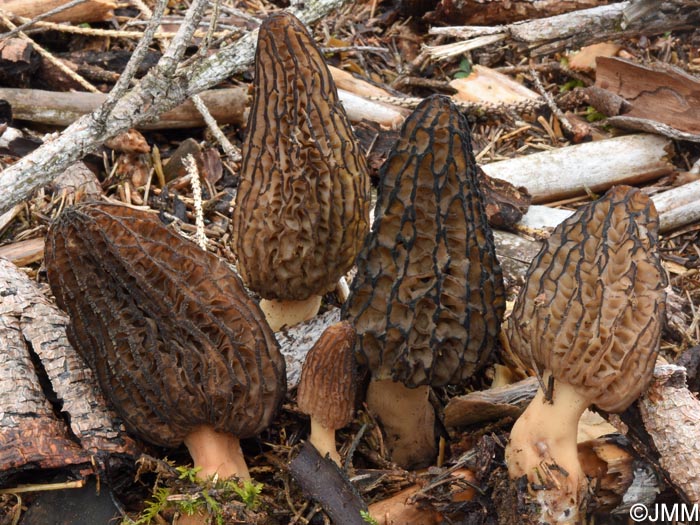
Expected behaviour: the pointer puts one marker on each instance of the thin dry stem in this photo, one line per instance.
(50, 58)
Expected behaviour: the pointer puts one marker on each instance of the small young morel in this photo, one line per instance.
(179, 349)
(302, 208)
(428, 296)
(589, 320)
(328, 386)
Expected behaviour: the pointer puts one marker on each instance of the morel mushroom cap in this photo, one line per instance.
(589, 317)
(302, 208)
(328, 385)
(176, 344)
(593, 305)
(428, 296)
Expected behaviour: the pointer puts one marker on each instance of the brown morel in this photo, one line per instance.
(177, 346)
(302, 208)
(428, 296)
(588, 320)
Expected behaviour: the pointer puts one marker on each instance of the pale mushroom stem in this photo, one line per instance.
(543, 448)
(408, 420)
(323, 440)
(216, 453)
(289, 313)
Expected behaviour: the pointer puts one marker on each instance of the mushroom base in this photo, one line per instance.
(408, 420)
(216, 454)
(323, 440)
(543, 448)
(289, 313)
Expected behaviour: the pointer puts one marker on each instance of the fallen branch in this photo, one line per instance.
(227, 106)
(162, 89)
(587, 26)
(593, 166)
(322, 481)
(677, 207)
(481, 12)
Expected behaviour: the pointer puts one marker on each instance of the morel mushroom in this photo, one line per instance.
(327, 387)
(180, 350)
(302, 208)
(428, 295)
(588, 320)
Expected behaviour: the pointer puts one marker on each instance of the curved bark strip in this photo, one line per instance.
(33, 332)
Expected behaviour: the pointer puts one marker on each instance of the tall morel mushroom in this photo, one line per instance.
(428, 296)
(589, 320)
(302, 208)
(180, 350)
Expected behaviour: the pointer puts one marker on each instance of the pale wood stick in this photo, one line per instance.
(23, 253)
(594, 166)
(228, 106)
(677, 207)
(88, 11)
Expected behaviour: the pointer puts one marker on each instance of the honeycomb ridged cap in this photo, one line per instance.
(173, 338)
(302, 207)
(328, 383)
(428, 296)
(593, 305)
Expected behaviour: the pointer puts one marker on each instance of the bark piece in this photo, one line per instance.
(595, 166)
(657, 92)
(89, 11)
(322, 481)
(486, 12)
(400, 510)
(671, 415)
(491, 404)
(485, 85)
(32, 436)
(585, 58)
(504, 204)
(17, 62)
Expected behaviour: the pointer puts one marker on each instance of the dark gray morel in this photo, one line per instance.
(428, 296)
(177, 346)
(302, 208)
(589, 321)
